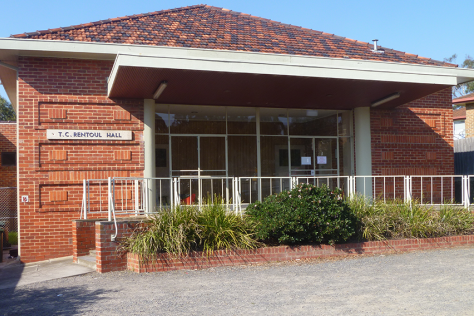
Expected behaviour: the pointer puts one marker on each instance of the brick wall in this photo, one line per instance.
(8, 145)
(469, 124)
(414, 139)
(67, 94)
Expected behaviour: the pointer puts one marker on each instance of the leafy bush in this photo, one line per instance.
(184, 229)
(305, 214)
(13, 238)
(396, 220)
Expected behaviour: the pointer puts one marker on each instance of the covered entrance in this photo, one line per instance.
(260, 118)
(206, 147)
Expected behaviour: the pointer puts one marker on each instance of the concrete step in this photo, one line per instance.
(87, 261)
(92, 252)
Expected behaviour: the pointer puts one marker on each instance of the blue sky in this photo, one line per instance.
(435, 29)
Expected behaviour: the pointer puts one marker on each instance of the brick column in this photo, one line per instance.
(83, 237)
(107, 257)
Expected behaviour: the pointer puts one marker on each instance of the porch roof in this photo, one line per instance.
(219, 77)
(205, 77)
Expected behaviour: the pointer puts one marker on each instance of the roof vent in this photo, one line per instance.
(376, 50)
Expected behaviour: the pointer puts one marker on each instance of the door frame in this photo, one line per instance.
(314, 156)
(199, 170)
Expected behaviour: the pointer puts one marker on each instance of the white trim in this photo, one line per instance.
(300, 66)
(108, 51)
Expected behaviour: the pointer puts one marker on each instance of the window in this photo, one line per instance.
(160, 156)
(8, 159)
(295, 158)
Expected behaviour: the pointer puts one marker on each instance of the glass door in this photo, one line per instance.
(199, 160)
(301, 156)
(326, 156)
(312, 156)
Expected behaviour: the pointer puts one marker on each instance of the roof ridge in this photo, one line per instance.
(110, 20)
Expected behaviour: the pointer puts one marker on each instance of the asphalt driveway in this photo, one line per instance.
(425, 283)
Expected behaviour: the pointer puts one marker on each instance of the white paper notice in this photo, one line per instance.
(305, 161)
(322, 160)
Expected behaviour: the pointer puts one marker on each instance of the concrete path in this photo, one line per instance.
(14, 274)
(437, 282)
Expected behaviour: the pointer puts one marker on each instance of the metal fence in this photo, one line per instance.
(142, 196)
(145, 196)
(8, 209)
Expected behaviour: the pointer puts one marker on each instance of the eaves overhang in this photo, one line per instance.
(142, 58)
(283, 65)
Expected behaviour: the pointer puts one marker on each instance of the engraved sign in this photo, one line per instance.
(71, 134)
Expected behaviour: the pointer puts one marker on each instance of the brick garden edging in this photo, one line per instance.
(164, 262)
(86, 233)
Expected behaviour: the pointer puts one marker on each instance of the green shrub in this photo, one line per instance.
(305, 214)
(396, 220)
(13, 238)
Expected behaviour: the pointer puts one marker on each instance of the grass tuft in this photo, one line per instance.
(184, 229)
(397, 220)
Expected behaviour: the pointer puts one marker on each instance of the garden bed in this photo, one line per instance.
(198, 260)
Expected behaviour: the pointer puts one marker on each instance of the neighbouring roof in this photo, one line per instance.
(203, 26)
(459, 114)
(464, 99)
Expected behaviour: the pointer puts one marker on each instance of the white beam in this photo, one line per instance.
(149, 140)
(363, 149)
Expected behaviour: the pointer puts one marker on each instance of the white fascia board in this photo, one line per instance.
(291, 66)
(236, 61)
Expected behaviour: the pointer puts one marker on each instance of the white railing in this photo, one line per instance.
(144, 196)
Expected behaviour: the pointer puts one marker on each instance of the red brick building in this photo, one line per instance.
(204, 91)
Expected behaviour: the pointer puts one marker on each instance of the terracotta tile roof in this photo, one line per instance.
(203, 26)
(459, 114)
(464, 99)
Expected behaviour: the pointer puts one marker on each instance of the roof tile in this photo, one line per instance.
(203, 26)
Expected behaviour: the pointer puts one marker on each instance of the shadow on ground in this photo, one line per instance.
(45, 301)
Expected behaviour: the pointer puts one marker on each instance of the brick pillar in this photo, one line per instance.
(107, 257)
(83, 237)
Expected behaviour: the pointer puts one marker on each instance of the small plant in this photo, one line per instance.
(223, 229)
(305, 214)
(181, 230)
(174, 231)
(396, 219)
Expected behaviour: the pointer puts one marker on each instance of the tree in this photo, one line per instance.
(6, 111)
(463, 88)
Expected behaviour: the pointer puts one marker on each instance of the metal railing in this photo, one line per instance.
(145, 196)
